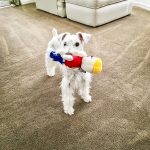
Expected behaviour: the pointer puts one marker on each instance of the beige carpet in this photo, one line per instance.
(31, 116)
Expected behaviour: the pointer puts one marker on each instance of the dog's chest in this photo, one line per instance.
(75, 78)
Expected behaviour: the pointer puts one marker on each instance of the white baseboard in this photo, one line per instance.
(142, 5)
(27, 1)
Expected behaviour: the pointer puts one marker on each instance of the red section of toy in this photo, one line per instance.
(75, 63)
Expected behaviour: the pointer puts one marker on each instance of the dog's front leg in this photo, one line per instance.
(50, 65)
(85, 88)
(67, 96)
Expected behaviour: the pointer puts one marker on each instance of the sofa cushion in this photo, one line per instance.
(93, 3)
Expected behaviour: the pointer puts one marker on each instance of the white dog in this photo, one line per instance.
(73, 79)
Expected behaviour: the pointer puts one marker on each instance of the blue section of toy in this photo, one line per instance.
(56, 57)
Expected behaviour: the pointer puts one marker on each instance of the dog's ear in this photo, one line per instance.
(62, 36)
(54, 32)
(84, 37)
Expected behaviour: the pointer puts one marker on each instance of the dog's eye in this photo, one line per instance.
(65, 44)
(77, 44)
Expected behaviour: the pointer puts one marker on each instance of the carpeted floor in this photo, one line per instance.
(31, 114)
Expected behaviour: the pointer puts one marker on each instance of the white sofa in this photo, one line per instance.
(97, 12)
(89, 12)
(56, 7)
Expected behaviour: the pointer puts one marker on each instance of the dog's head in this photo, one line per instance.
(66, 43)
(73, 44)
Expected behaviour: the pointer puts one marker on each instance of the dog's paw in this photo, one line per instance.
(69, 111)
(51, 73)
(87, 99)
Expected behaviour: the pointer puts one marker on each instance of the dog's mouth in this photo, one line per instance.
(68, 53)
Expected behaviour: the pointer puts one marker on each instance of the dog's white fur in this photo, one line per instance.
(73, 79)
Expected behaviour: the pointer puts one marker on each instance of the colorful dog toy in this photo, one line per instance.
(88, 64)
